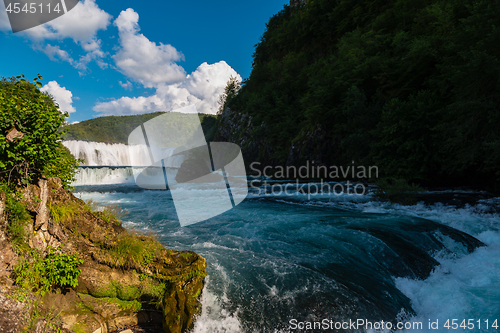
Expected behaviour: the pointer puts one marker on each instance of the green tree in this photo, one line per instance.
(230, 92)
(30, 133)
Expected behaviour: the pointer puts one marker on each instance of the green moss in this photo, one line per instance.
(85, 307)
(116, 290)
(186, 255)
(197, 293)
(129, 293)
(149, 291)
(195, 273)
(129, 306)
(78, 328)
(110, 290)
(154, 289)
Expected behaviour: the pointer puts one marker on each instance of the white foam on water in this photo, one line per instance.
(210, 245)
(470, 219)
(214, 318)
(463, 288)
(103, 175)
(118, 175)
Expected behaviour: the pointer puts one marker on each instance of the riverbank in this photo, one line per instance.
(71, 266)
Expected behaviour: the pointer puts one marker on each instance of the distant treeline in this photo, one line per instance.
(411, 86)
(116, 129)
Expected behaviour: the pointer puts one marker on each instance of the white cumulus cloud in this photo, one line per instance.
(81, 24)
(63, 96)
(143, 60)
(126, 85)
(54, 52)
(201, 88)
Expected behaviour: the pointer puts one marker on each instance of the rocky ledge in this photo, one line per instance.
(125, 279)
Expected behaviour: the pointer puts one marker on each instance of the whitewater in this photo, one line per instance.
(278, 259)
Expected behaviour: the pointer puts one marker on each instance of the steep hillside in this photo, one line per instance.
(410, 86)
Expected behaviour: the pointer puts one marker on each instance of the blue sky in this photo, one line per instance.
(131, 57)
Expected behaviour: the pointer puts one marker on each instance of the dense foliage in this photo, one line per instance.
(36, 147)
(116, 129)
(411, 86)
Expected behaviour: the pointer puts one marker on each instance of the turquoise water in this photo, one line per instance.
(278, 261)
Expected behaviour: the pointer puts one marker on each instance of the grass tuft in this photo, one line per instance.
(110, 213)
(63, 212)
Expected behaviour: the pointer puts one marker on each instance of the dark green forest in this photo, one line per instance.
(410, 86)
(116, 129)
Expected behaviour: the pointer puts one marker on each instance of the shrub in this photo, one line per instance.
(64, 166)
(37, 272)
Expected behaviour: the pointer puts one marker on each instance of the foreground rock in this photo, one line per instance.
(125, 279)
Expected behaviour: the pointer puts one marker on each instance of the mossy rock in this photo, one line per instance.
(124, 276)
(181, 303)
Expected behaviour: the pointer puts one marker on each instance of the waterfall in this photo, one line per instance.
(99, 153)
(112, 163)
(116, 154)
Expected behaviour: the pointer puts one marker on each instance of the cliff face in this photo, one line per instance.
(125, 279)
(312, 144)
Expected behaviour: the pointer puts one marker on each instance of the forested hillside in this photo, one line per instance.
(116, 129)
(410, 86)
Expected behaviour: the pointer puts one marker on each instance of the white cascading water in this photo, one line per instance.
(111, 163)
(104, 154)
(104, 175)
